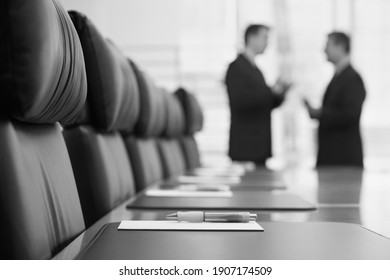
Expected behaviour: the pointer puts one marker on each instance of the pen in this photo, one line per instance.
(199, 217)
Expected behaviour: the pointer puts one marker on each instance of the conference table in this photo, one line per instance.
(352, 221)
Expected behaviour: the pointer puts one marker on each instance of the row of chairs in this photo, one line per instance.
(131, 133)
(82, 128)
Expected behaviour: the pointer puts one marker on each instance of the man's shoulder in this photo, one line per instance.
(239, 65)
(236, 66)
(352, 73)
(352, 79)
(237, 61)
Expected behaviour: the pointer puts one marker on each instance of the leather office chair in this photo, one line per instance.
(99, 158)
(171, 152)
(193, 124)
(142, 144)
(42, 82)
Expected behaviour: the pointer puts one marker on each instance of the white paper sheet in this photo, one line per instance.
(173, 225)
(217, 172)
(187, 193)
(203, 187)
(208, 180)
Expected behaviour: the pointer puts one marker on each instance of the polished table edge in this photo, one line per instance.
(142, 194)
(227, 209)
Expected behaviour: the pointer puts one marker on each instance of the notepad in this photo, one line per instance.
(187, 193)
(184, 226)
(208, 180)
(203, 187)
(217, 172)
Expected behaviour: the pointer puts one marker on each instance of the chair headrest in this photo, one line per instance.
(175, 121)
(113, 96)
(42, 72)
(192, 111)
(151, 122)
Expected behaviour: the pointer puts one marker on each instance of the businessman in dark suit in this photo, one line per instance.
(339, 140)
(251, 101)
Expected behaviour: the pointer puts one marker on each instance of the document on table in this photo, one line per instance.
(183, 226)
(217, 172)
(187, 193)
(203, 187)
(208, 180)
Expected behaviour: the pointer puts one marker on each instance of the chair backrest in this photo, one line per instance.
(194, 123)
(191, 152)
(171, 153)
(142, 145)
(192, 111)
(100, 162)
(42, 82)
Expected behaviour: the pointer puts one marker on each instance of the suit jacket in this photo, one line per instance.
(251, 102)
(339, 140)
